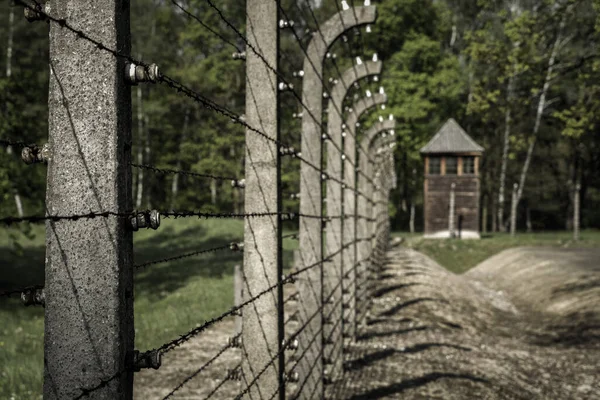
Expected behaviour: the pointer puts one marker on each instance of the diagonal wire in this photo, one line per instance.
(190, 15)
(199, 370)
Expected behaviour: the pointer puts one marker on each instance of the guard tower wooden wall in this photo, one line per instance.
(451, 157)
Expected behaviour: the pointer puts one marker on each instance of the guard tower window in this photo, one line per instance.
(434, 166)
(468, 165)
(451, 165)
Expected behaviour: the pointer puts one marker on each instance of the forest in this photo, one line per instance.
(521, 76)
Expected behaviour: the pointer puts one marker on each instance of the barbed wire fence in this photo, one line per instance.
(295, 326)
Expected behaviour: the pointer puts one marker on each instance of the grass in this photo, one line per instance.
(459, 256)
(170, 298)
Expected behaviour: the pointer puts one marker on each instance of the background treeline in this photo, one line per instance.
(521, 76)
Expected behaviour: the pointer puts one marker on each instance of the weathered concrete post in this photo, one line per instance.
(385, 175)
(359, 109)
(238, 295)
(576, 211)
(513, 210)
(262, 333)
(451, 210)
(88, 334)
(333, 276)
(365, 226)
(309, 284)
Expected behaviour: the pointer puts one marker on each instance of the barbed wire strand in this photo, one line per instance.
(167, 171)
(200, 369)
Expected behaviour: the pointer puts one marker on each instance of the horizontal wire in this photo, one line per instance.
(202, 368)
(9, 293)
(55, 218)
(10, 142)
(166, 214)
(186, 255)
(191, 213)
(167, 171)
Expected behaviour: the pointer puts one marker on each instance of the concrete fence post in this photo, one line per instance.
(350, 267)
(451, 210)
(88, 333)
(238, 295)
(262, 333)
(576, 211)
(311, 371)
(334, 275)
(365, 226)
(513, 210)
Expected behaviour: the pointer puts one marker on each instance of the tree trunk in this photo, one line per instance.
(513, 211)
(454, 33)
(411, 223)
(576, 211)
(213, 192)
(542, 103)
(494, 225)
(505, 148)
(484, 217)
(175, 183)
(528, 220)
(140, 149)
(9, 46)
(9, 53)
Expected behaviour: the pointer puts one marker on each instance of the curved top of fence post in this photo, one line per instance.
(333, 28)
(349, 77)
(352, 75)
(371, 134)
(312, 83)
(361, 106)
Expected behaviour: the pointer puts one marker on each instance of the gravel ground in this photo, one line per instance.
(525, 324)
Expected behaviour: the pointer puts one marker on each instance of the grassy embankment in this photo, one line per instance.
(170, 298)
(459, 256)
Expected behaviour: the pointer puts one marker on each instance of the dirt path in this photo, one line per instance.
(523, 325)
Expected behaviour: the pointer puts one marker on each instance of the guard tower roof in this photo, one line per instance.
(451, 138)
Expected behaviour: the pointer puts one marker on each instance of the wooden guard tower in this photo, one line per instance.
(451, 189)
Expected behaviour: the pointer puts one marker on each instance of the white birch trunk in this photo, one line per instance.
(213, 192)
(175, 183)
(9, 53)
(542, 104)
(506, 147)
